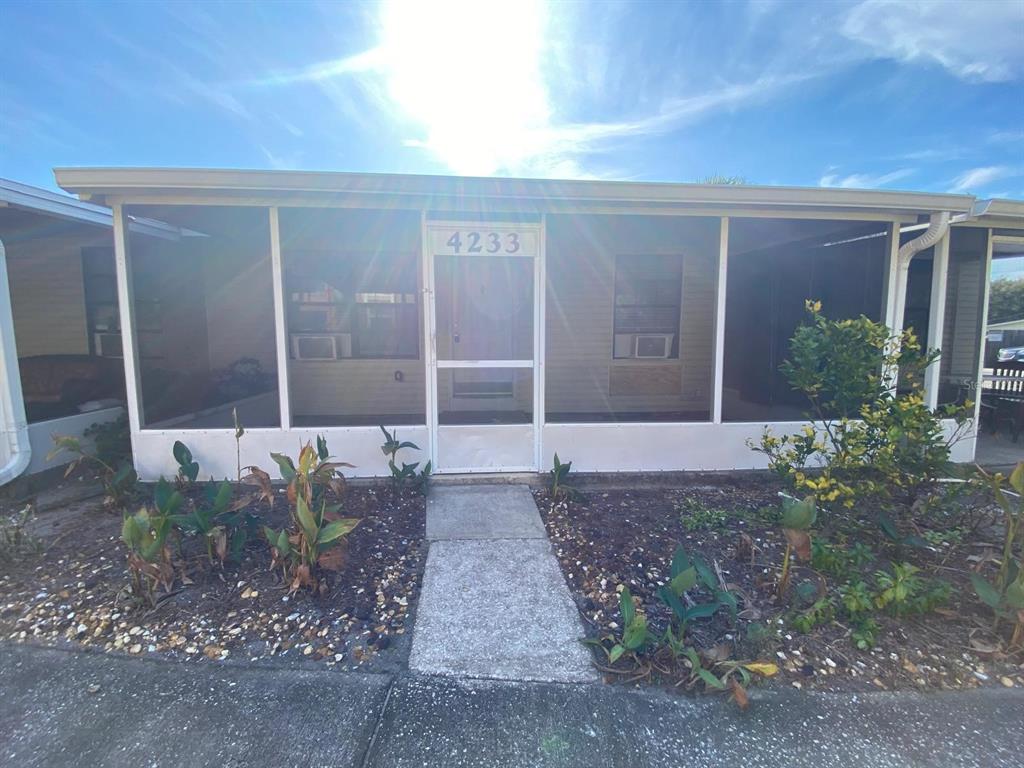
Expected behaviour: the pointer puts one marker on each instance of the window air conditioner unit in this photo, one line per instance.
(314, 347)
(653, 345)
(107, 344)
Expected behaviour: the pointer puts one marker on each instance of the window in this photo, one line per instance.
(104, 321)
(366, 305)
(648, 292)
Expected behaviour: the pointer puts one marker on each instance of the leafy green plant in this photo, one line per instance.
(797, 519)
(871, 439)
(239, 434)
(313, 476)
(635, 635)
(1005, 596)
(822, 612)
(685, 574)
(694, 516)
(188, 468)
(145, 534)
(16, 542)
(903, 592)
(310, 544)
(727, 675)
(888, 528)
(559, 488)
(856, 598)
(863, 631)
(119, 480)
(111, 440)
(406, 474)
(222, 522)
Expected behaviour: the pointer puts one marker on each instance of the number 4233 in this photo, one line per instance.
(488, 242)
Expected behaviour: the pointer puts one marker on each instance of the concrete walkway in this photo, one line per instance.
(61, 708)
(494, 603)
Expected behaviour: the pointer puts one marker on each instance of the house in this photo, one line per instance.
(1005, 335)
(494, 322)
(59, 322)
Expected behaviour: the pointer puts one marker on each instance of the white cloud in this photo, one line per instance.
(863, 180)
(977, 179)
(976, 41)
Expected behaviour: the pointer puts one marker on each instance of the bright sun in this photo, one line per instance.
(469, 72)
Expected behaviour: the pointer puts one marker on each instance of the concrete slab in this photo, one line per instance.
(498, 609)
(157, 713)
(483, 512)
(457, 723)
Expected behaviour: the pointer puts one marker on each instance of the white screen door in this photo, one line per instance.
(483, 345)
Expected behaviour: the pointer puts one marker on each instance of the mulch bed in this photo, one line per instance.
(613, 538)
(74, 592)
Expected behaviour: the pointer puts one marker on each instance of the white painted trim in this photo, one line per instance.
(15, 441)
(429, 338)
(540, 331)
(126, 303)
(986, 276)
(723, 272)
(280, 318)
(937, 317)
(892, 281)
(41, 434)
(485, 363)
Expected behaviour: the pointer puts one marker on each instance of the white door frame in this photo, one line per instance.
(433, 364)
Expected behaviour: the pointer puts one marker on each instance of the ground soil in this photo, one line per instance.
(612, 538)
(74, 591)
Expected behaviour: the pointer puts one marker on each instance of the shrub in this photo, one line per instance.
(797, 519)
(872, 439)
(188, 468)
(405, 474)
(145, 535)
(559, 488)
(313, 476)
(119, 480)
(222, 523)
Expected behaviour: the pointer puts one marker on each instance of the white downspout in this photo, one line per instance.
(12, 405)
(937, 229)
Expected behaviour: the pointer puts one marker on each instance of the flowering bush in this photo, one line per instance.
(873, 435)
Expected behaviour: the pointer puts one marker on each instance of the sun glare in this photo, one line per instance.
(469, 73)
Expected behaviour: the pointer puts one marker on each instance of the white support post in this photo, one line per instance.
(539, 334)
(429, 349)
(723, 271)
(126, 304)
(937, 318)
(986, 277)
(892, 280)
(280, 319)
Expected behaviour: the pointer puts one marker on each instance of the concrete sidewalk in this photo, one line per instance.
(63, 708)
(494, 603)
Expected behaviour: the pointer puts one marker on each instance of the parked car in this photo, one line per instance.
(1010, 353)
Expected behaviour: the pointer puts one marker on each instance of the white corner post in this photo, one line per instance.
(17, 449)
(937, 318)
(892, 279)
(129, 344)
(280, 319)
(429, 336)
(986, 281)
(540, 292)
(718, 385)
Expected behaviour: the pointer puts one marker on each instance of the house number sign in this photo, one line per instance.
(484, 241)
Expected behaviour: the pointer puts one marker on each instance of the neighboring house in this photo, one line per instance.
(1006, 340)
(627, 326)
(61, 369)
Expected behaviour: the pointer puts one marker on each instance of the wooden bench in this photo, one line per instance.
(1003, 398)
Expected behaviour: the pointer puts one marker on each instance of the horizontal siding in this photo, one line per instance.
(356, 387)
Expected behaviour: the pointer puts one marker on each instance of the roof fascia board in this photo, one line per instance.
(127, 183)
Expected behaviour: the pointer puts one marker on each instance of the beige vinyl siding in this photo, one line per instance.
(47, 294)
(581, 253)
(356, 387)
(961, 338)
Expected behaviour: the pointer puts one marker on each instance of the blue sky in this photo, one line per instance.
(925, 95)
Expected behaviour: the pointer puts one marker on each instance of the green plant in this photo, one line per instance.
(222, 523)
(405, 474)
(839, 560)
(188, 469)
(16, 542)
(727, 675)
(694, 516)
(313, 476)
(903, 592)
(871, 439)
(819, 614)
(559, 488)
(111, 440)
(145, 535)
(888, 528)
(119, 480)
(310, 544)
(239, 434)
(863, 631)
(856, 598)
(685, 574)
(797, 519)
(635, 635)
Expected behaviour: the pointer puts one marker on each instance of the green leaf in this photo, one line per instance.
(989, 594)
(223, 497)
(680, 563)
(671, 599)
(702, 611)
(321, 448)
(710, 679)
(1017, 478)
(799, 515)
(616, 653)
(626, 607)
(635, 636)
(306, 520)
(182, 454)
(283, 545)
(285, 464)
(707, 576)
(683, 581)
(337, 529)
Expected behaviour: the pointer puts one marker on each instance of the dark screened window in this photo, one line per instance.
(648, 294)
